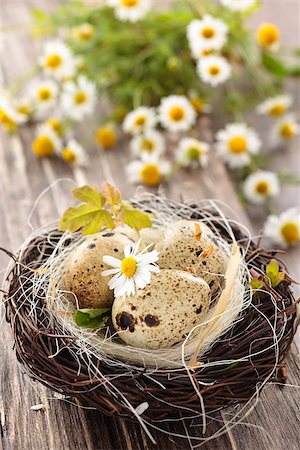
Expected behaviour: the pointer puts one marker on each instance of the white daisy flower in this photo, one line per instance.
(260, 186)
(149, 142)
(74, 154)
(210, 32)
(24, 107)
(46, 142)
(9, 116)
(176, 113)
(83, 32)
(150, 170)
(238, 5)
(139, 120)
(198, 51)
(214, 69)
(57, 60)
(131, 10)
(285, 129)
(275, 106)
(192, 153)
(236, 142)
(132, 272)
(78, 99)
(44, 94)
(284, 229)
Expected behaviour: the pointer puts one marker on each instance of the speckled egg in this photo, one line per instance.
(189, 245)
(164, 312)
(82, 271)
(150, 235)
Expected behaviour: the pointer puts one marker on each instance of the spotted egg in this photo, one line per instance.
(82, 272)
(189, 245)
(161, 314)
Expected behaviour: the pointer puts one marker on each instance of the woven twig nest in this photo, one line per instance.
(249, 354)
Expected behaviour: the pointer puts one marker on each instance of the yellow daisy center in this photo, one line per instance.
(7, 121)
(237, 144)
(43, 146)
(68, 155)
(85, 32)
(129, 266)
(147, 145)
(80, 97)
(262, 187)
(55, 125)
(150, 174)
(290, 232)
(129, 3)
(267, 34)
(208, 32)
(53, 61)
(23, 109)
(106, 137)
(214, 70)
(287, 131)
(140, 120)
(44, 94)
(277, 110)
(176, 113)
(193, 153)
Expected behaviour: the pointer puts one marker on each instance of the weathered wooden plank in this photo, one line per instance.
(62, 425)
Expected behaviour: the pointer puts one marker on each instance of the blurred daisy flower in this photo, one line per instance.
(149, 142)
(83, 32)
(209, 32)
(199, 104)
(133, 271)
(192, 153)
(275, 106)
(268, 36)
(44, 94)
(106, 136)
(46, 142)
(260, 186)
(139, 120)
(78, 99)
(214, 69)
(57, 60)
(238, 5)
(176, 113)
(198, 51)
(56, 125)
(24, 107)
(236, 142)
(150, 170)
(9, 117)
(131, 10)
(74, 154)
(285, 129)
(284, 229)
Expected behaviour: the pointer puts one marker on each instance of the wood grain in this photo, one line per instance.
(272, 425)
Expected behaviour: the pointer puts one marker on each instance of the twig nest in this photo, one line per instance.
(82, 274)
(189, 245)
(163, 312)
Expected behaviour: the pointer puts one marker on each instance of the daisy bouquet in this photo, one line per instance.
(162, 69)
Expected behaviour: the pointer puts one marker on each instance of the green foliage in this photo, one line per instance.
(273, 276)
(255, 283)
(101, 209)
(91, 318)
(139, 63)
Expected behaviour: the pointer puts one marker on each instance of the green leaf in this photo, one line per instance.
(272, 268)
(134, 218)
(86, 216)
(256, 284)
(88, 194)
(273, 276)
(91, 318)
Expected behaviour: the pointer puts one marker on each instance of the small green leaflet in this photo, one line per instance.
(111, 194)
(135, 218)
(256, 284)
(273, 275)
(91, 318)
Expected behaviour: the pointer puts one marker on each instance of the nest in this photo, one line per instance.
(232, 370)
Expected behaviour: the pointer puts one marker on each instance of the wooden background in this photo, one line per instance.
(274, 424)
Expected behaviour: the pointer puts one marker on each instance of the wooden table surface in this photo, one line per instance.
(274, 423)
